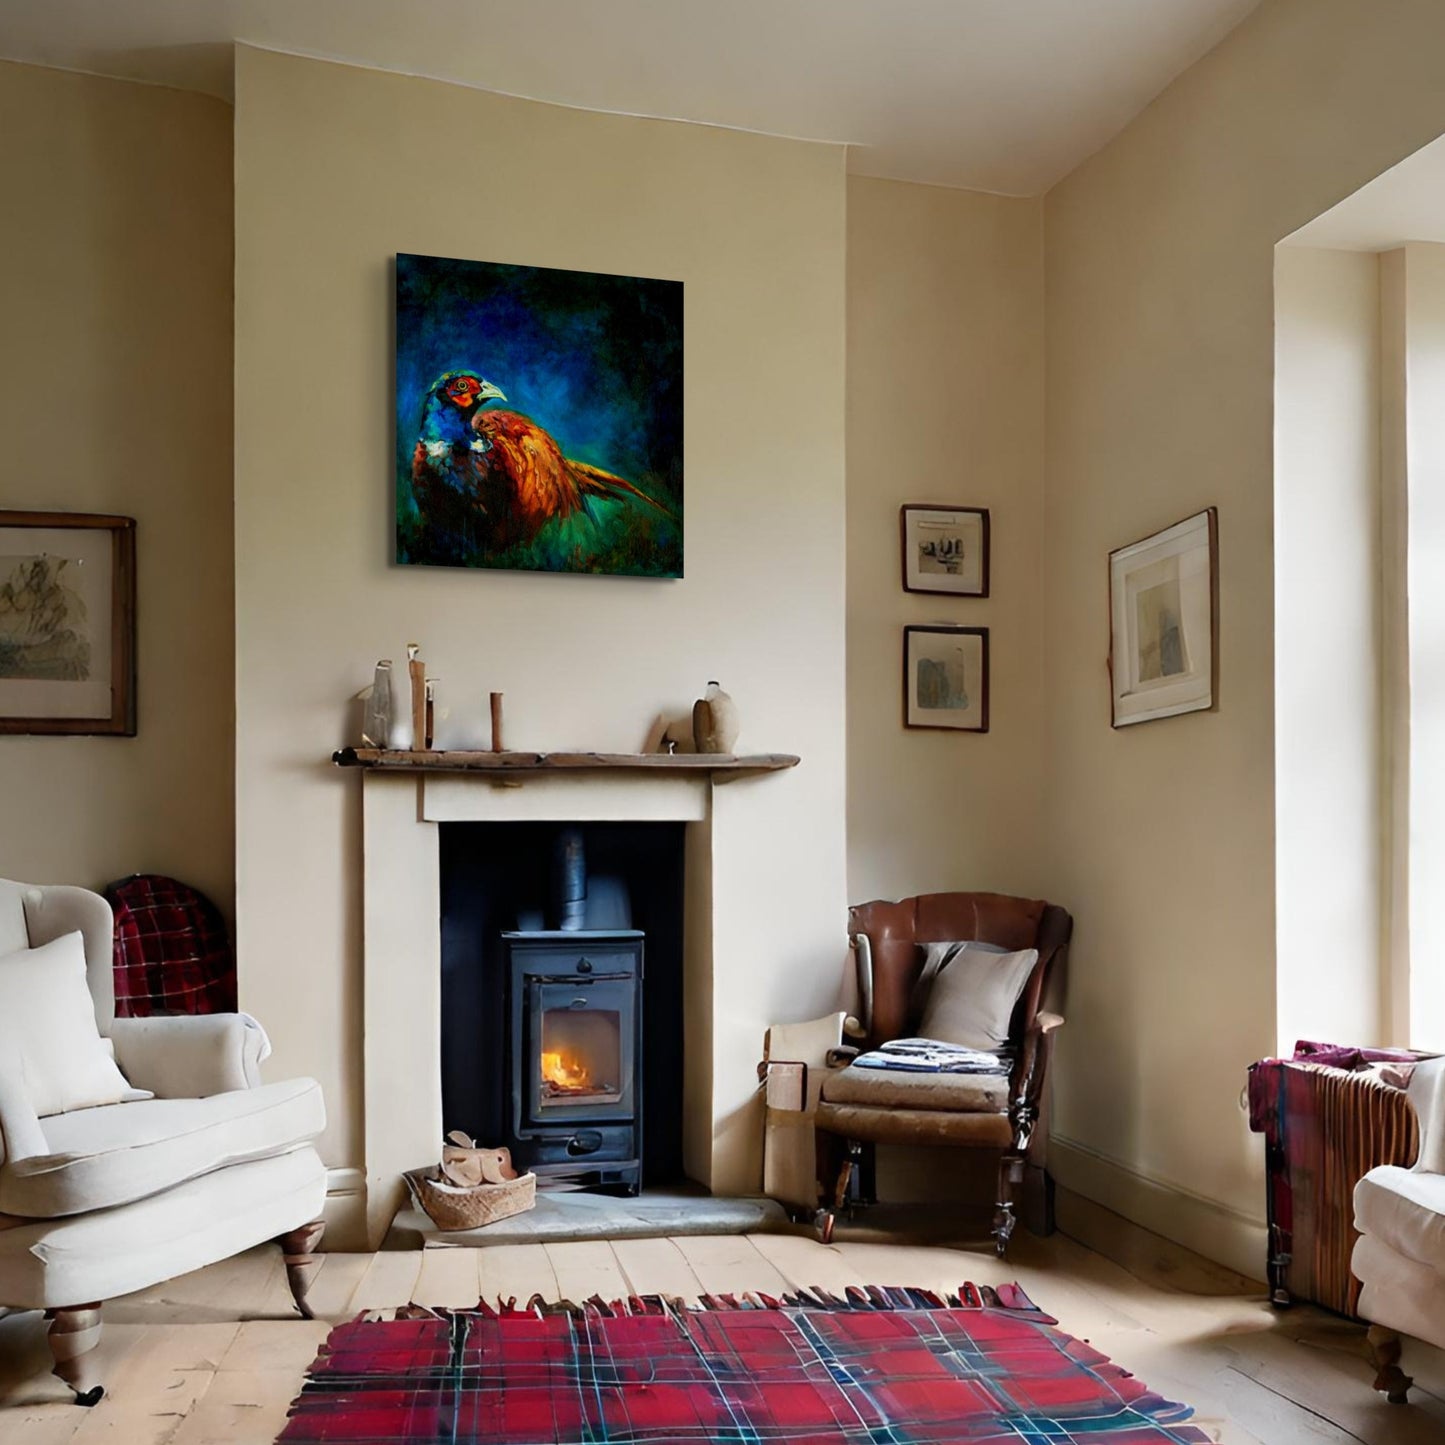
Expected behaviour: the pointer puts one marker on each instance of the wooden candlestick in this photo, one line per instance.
(497, 745)
(416, 672)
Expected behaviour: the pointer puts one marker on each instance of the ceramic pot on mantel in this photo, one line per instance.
(715, 721)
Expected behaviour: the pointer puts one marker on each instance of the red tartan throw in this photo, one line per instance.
(172, 953)
(899, 1365)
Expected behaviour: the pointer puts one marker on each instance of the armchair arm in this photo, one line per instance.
(1427, 1094)
(863, 960)
(190, 1056)
(1029, 1075)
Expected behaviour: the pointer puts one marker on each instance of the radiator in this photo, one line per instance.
(1324, 1128)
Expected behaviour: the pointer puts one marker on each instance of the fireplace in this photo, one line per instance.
(556, 1041)
(576, 1051)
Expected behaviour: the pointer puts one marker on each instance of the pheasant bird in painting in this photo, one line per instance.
(442, 479)
(491, 484)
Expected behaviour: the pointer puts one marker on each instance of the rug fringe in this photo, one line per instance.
(969, 1296)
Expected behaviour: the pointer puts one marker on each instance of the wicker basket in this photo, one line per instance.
(451, 1207)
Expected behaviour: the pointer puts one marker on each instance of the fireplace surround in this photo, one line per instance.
(759, 941)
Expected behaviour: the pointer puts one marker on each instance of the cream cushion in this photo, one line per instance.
(1405, 1210)
(897, 1089)
(972, 994)
(58, 1262)
(104, 1157)
(49, 1033)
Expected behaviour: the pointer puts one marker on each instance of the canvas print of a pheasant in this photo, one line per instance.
(539, 419)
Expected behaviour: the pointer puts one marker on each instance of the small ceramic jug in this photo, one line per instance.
(715, 721)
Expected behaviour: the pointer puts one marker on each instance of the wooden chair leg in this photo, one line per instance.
(74, 1334)
(1384, 1347)
(298, 1249)
(838, 1155)
(1010, 1172)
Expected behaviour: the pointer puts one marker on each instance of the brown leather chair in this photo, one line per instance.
(859, 1108)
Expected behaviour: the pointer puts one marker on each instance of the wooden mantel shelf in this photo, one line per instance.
(721, 767)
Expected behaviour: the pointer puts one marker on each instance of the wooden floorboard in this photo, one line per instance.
(218, 1356)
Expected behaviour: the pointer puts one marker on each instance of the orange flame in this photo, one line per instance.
(565, 1071)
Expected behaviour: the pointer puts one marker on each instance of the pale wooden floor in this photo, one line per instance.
(215, 1357)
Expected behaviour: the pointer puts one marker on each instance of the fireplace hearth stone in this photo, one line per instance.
(563, 1217)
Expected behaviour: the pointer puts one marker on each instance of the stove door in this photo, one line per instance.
(580, 1038)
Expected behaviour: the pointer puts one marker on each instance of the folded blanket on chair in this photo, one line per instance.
(931, 1056)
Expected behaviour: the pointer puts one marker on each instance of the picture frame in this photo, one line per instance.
(67, 624)
(1164, 622)
(945, 549)
(945, 678)
(539, 419)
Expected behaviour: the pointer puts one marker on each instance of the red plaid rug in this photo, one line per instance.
(881, 1365)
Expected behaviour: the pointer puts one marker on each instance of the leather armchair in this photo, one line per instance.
(858, 1109)
(102, 1201)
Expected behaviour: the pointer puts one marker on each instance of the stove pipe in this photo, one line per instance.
(569, 875)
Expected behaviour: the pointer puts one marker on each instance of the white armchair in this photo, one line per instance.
(1399, 1258)
(100, 1201)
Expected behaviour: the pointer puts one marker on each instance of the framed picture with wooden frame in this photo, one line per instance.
(945, 678)
(1164, 622)
(945, 549)
(67, 623)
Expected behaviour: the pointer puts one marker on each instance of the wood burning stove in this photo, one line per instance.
(575, 1050)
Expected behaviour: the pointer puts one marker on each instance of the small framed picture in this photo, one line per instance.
(67, 623)
(945, 678)
(945, 549)
(1164, 622)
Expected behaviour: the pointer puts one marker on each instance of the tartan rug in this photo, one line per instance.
(874, 1366)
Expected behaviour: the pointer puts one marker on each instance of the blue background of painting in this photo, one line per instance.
(595, 359)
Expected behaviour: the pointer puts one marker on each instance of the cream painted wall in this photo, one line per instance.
(1159, 260)
(336, 170)
(115, 396)
(1328, 664)
(945, 404)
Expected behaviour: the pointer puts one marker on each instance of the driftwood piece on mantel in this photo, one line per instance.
(722, 767)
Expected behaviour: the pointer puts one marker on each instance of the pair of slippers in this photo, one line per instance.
(467, 1166)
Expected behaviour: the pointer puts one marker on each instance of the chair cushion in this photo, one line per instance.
(955, 1127)
(49, 1032)
(112, 1155)
(1405, 1210)
(898, 1089)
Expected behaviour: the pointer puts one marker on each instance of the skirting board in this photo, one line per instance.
(345, 1211)
(1214, 1230)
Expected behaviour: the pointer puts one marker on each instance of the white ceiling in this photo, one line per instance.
(1405, 203)
(995, 95)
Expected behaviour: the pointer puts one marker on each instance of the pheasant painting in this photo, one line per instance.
(539, 419)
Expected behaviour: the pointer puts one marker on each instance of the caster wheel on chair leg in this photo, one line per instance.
(825, 1221)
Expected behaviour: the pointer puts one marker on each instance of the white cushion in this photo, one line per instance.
(972, 994)
(103, 1157)
(52, 1263)
(1398, 1292)
(1405, 1210)
(47, 1024)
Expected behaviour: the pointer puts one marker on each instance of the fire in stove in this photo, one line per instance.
(566, 1075)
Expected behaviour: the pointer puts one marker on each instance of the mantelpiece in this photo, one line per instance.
(721, 768)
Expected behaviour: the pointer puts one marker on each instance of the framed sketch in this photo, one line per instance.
(67, 623)
(945, 549)
(1164, 622)
(945, 678)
